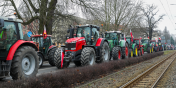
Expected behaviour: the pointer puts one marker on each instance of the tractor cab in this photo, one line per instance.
(113, 37)
(10, 32)
(18, 57)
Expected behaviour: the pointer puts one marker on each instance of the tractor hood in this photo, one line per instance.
(74, 40)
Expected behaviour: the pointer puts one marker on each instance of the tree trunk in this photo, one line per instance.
(150, 33)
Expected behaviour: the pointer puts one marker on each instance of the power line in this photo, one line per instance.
(170, 10)
(166, 13)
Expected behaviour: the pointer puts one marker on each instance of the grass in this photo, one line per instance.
(168, 51)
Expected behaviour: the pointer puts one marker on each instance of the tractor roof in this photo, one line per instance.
(113, 32)
(39, 35)
(11, 19)
(145, 39)
(87, 25)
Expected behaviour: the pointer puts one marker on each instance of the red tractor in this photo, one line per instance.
(139, 46)
(17, 56)
(46, 48)
(83, 47)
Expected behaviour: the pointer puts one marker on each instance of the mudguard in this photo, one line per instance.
(50, 48)
(100, 42)
(18, 44)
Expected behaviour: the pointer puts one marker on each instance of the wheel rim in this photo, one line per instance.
(40, 61)
(105, 54)
(28, 64)
(119, 54)
(142, 51)
(136, 51)
(150, 50)
(91, 59)
(131, 53)
(126, 51)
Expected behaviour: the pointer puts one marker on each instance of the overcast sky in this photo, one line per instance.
(169, 10)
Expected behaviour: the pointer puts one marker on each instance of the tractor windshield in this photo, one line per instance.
(136, 41)
(8, 36)
(84, 32)
(128, 40)
(111, 36)
(144, 41)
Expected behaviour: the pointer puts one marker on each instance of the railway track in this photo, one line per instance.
(150, 77)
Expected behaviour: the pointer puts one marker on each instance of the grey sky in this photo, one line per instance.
(169, 11)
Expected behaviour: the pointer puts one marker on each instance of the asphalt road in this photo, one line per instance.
(46, 68)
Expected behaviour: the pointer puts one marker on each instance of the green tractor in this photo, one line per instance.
(118, 47)
(133, 51)
(148, 47)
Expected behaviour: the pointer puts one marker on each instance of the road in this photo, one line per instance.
(46, 68)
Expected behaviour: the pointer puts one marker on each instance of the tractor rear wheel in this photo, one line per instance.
(25, 63)
(57, 59)
(116, 53)
(126, 51)
(131, 53)
(78, 63)
(87, 56)
(136, 51)
(41, 59)
(148, 49)
(142, 51)
(51, 56)
(151, 49)
(105, 53)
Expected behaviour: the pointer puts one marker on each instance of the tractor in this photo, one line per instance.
(118, 47)
(139, 46)
(83, 47)
(18, 58)
(160, 45)
(46, 48)
(148, 47)
(155, 45)
(133, 51)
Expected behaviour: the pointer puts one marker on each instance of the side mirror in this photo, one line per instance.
(1, 22)
(68, 30)
(54, 43)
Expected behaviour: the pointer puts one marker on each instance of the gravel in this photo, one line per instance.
(124, 75)
(169, 78)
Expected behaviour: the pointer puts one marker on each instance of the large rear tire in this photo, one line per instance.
(57, 59)
(25, 63)
(105, 53)
(51, 56)
(142, 51)
(116, 53)
(88, 56)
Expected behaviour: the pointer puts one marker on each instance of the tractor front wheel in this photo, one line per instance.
(116, 53)
(51, 56)
(87, 56)
(57, 59)
(25, 63)
(41, 59)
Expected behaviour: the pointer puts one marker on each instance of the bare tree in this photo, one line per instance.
(150, 12)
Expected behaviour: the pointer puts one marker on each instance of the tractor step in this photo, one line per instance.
(5, 67)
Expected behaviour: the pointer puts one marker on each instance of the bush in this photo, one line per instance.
(74, 76)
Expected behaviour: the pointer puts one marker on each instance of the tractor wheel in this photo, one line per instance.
(139, 53)
(57, 59)
(149, 50)
(136, 51)
(126, 51)
(25, 63)
(155, 49)
(130, 53)
(51, 56)
(88, 56)
(116, 53)
(105, 53)
(142, 51)
(41, 59)
(78, 63)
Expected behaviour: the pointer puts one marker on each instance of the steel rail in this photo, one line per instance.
(144, 74)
